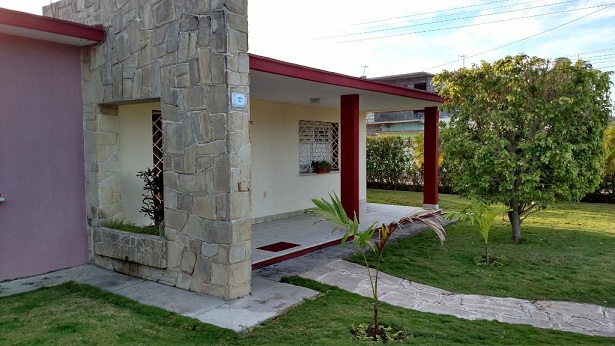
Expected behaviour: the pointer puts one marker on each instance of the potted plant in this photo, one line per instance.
(322, 166)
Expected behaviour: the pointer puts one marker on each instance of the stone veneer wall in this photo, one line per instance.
(191, 55)
(130, 248)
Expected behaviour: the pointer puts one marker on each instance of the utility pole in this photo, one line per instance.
(463, 56)
(364, 68)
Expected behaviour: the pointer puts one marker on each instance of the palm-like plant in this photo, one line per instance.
(482, 216)
(333, 211)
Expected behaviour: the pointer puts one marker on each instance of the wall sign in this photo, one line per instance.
(238, 100)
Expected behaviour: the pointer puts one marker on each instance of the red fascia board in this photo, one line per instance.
(51, 25)
(268, 65)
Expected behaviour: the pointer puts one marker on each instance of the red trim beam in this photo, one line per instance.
(430, 159)
(282, 68)
(51, 25)
(349, 173)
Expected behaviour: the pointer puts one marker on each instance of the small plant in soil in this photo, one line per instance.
(333, 211)
(499, 261)
(322, 166)
(482, 216)
(366, 332)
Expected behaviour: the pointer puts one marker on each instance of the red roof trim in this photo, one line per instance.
(51, 25)
(268, 65)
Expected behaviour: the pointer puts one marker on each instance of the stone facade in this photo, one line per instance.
(191, 55)
(127, 247)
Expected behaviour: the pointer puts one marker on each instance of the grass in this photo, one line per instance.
(568, 253)
(79, 314)
(72, 314)
(131, 227)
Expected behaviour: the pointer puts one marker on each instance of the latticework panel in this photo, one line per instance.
(318, 141)
(157, 141)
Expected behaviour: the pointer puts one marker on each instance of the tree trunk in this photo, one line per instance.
(376, 324)
(515, 220)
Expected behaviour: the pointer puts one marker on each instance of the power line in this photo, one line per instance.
(462, 18)
(590, 52)
(432, 12)
(603, 64)
(476, 24)
(605, 67)
(599, 56)
(606, 58)
(455, 14)
(525, 38)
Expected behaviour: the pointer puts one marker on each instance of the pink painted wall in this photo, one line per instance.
(43, 220)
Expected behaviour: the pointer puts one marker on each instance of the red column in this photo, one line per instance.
(349, 170)
(430, 172)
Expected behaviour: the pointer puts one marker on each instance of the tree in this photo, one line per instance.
(609, 144)
(524, 133)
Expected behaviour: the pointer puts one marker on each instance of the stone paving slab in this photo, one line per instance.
(268, 299)
(567, 316)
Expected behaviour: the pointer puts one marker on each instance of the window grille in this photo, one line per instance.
(157, 141)
(318, 141)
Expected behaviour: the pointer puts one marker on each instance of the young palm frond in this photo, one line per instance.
(334, 212)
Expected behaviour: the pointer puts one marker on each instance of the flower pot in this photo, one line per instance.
(320, 170)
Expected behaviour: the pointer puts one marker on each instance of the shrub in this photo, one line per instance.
(153, 206)
(386, 161)
(395, 162)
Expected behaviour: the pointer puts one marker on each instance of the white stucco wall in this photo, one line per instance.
(277, 187)
(135, 155)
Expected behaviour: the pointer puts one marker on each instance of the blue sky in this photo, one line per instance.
(321, 34)
(399, 36)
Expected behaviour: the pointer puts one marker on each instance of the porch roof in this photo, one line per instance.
(49, 29)
(275, 80)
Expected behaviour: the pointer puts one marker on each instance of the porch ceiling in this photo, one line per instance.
(274, 80)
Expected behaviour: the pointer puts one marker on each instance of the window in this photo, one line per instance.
(157, 141)
(318, 140)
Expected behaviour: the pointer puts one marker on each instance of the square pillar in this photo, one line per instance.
(192, 56)
(430, 159)
(349, 172)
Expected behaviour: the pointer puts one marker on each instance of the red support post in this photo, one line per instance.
(430, 171)
(349, 170)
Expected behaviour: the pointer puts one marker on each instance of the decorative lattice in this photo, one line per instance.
(318, 140)
(157, 141)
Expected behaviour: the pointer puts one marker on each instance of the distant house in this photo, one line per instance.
(403, 122)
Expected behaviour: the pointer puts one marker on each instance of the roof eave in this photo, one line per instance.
(85, 34)
(269, 65)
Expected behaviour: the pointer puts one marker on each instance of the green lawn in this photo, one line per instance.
(77, 314)
(568, 253)
(72, 314)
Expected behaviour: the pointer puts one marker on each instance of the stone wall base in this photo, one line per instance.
(164, 276)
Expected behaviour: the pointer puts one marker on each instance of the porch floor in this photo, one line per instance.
(305, 236)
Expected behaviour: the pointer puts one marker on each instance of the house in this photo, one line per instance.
(171, 86)
(403, 122)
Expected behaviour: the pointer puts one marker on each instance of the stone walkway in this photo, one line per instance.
(567, 316)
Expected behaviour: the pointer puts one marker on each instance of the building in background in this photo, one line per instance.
(402, 122)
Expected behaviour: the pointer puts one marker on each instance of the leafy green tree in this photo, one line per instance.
(525, 133)
(609, 144)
